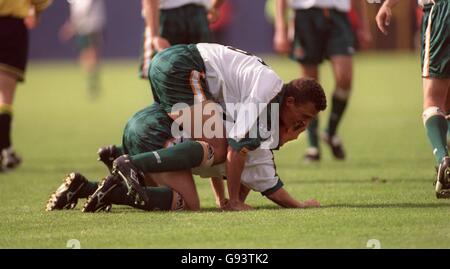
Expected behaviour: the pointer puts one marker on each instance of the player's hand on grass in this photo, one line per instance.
(310, 203)
(160, 43)
(281, 42)
(222, 204)
(237, 206)
(383, 18)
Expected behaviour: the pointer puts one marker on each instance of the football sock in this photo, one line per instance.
(5, 126)
(313, 137)
(186, 155)
(88, 189)
(436, 127)
(338, 105)
(160, 198)
(93, 82)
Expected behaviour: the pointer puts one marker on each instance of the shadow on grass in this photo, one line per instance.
(372, 180)
(394, 205)
(123, 209)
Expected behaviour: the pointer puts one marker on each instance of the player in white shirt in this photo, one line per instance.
(322, 31)
(171, 22)
(87, 22)
(212, 76)
(150, 130)
(206, 76)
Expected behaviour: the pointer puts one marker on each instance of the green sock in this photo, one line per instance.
(313, 138)
(338, 106)
(160, 198)
(88, 189)
(436, 127)
(186, 155)
(93, 82)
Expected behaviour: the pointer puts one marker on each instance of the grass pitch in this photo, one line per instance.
(383, 191)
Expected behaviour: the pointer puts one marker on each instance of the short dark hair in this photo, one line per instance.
(306, 90)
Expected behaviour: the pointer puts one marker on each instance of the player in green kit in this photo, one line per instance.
(435, 55)
(322, 31)
(172, 22)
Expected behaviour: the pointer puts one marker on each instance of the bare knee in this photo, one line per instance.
(344, 81)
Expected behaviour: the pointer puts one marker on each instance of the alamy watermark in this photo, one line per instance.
(239, 121)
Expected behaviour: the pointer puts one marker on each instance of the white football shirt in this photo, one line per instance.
(424, 2)
(259, 173)
(241, 79)
(87, 16)
(341, 5)
(167, 4)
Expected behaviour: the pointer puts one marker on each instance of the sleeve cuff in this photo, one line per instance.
(277, 186)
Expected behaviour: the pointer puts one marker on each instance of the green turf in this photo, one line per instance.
(383, 191)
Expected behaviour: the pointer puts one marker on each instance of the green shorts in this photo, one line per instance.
(435, 38)
(319, 34)
(177, 75)
(148, 130)
(89, 40)
(187, 24)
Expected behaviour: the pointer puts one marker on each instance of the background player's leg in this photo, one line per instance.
(448, 117)
(7, 90)
(342, 69)
(434, 104)
(89, 59)
(313, 151)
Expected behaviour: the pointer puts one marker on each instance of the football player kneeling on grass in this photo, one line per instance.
(149, 130)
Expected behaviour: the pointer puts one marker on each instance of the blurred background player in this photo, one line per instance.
(87, 22)
(15, 17)
(322, 30)
(435, 53)
(171, 22)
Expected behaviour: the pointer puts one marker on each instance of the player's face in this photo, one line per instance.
(295, 119)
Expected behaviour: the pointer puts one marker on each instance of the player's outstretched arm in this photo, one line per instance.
(243, 192)
(282, 198)
(235, 165)
(384, 15)
(219, 192)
